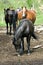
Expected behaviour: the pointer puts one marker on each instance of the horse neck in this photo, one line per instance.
(27, 11)
(20, 29)
(18, 33)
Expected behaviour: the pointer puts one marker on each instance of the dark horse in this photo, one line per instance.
(10, 18)
(25, 29)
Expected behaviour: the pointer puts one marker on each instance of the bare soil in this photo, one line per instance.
(9, 56)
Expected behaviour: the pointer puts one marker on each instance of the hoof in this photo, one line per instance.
(7, 33)
(10, 33)
(18, 55)
(28, 54)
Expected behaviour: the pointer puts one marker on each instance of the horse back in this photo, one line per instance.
(31, 15)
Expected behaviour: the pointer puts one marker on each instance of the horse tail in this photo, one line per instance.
(34, 36)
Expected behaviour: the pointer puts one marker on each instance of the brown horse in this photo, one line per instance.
(20, 15)
(28, 14)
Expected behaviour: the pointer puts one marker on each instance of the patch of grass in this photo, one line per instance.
(2, 23)
(39, 19)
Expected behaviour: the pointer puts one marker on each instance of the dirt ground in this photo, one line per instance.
(9, 56)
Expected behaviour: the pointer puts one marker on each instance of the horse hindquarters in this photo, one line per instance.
(31, 15)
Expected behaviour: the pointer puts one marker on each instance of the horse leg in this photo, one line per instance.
(7, 27)
(22, 46)
(28, 42)
(10, 29)
(23, 43)
(14, 26)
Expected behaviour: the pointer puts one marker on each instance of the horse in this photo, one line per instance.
(19, 14)
(10, 18)
(24, 29)
(28, 14)
(18, 9)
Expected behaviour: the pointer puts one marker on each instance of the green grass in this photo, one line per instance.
(39, 19)
(2, 23)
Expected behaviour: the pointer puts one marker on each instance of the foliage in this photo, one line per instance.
(19, 3)
(29, 2)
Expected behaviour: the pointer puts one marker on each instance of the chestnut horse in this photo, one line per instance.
(28, 14)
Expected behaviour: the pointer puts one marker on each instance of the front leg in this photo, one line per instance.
(21, 47)
(28, 42)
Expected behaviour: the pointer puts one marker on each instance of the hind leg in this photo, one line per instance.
(10, 29)
(14, 27)
(7, 27)
(28, 42)
(23, 43)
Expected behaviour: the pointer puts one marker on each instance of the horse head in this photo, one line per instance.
(24, 12)
(21, 13)
(16, 43)
(6, 11)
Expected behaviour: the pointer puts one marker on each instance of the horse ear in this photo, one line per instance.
(25, 7)
(22, 7)
(4, 9)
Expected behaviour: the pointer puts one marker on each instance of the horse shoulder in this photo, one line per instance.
(29, 15)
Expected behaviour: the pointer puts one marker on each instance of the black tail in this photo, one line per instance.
(34, 36)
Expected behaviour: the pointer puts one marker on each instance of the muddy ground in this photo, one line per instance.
(9, 56)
